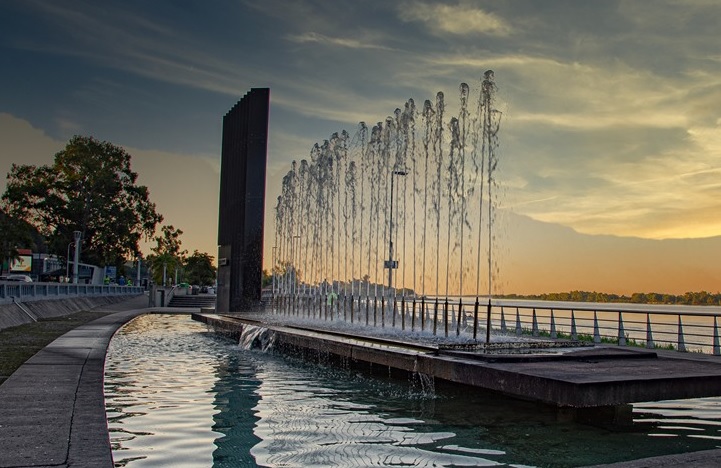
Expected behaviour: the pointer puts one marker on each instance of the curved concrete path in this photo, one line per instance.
(52, 409)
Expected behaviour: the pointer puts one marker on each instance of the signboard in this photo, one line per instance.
(390, 264)
(22, 264)
(111, 272)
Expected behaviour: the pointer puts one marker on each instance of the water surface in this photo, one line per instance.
(179, 395)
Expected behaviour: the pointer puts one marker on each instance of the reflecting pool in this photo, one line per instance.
(178, 395)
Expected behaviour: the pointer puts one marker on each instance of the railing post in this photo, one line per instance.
(519, 330)
(403, 313)
(503, 322)
(413, 314)
(383, 312)
(596, 331)
(535, 323)
(554, 335)
(621, 330)
(649, 333)
(574, 331)
(423, 313)
(681, 341)
(460, 317)
(435, 318)
(716, 347)
(475, 319)
(445, 317)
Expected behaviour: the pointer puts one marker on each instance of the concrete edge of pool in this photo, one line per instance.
(52, 409)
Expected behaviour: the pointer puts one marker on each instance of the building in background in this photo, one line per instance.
(242, 202)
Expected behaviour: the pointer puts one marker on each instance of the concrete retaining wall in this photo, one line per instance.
(12, 314)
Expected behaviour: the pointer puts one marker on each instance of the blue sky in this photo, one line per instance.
(612, 109)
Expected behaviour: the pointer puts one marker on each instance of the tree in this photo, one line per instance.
(167, 256)
(199, 269)
(13, 234)
(89, 188)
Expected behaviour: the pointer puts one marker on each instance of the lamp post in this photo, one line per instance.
(77, 235)
(391, 264)
(67, 263)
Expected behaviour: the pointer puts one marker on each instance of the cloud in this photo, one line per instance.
(316, 38)
(461, 19)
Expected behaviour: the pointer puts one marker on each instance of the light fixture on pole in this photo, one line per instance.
(390, 263)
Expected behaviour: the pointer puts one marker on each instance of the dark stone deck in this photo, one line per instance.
(600, 376)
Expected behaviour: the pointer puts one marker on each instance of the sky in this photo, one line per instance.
(611, 135)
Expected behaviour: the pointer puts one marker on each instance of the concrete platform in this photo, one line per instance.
(602, 376)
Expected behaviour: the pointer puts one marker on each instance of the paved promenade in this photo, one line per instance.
(52, 409)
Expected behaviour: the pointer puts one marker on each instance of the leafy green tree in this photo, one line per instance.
(199, 269)
(90, 188)
(14, 234)
(167, 258)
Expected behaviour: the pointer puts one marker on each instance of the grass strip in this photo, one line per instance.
(20, 343)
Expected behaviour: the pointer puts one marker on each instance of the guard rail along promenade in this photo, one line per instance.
(24, 292)
(22, 303)
(684, 328)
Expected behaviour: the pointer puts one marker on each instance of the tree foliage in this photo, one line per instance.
(14, 234)
(199, 269)
(167, 256)
(90, 188)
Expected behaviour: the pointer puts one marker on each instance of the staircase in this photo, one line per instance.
(194, 301)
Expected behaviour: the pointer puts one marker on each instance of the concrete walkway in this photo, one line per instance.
(52, 409)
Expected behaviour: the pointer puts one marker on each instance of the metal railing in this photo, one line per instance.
(43, 291)
(652, 326)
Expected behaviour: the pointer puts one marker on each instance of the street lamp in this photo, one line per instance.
(67, 264)
(390, 263)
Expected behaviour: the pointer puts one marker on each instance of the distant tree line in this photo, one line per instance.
(689, 298)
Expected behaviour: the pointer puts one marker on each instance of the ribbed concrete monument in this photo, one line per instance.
(242, 202)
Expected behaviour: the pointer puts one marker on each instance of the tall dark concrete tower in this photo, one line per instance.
(242, 202)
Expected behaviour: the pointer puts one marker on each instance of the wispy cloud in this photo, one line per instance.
(317, 38)
(462, 19)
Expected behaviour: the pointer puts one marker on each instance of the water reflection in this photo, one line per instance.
(179, 395)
